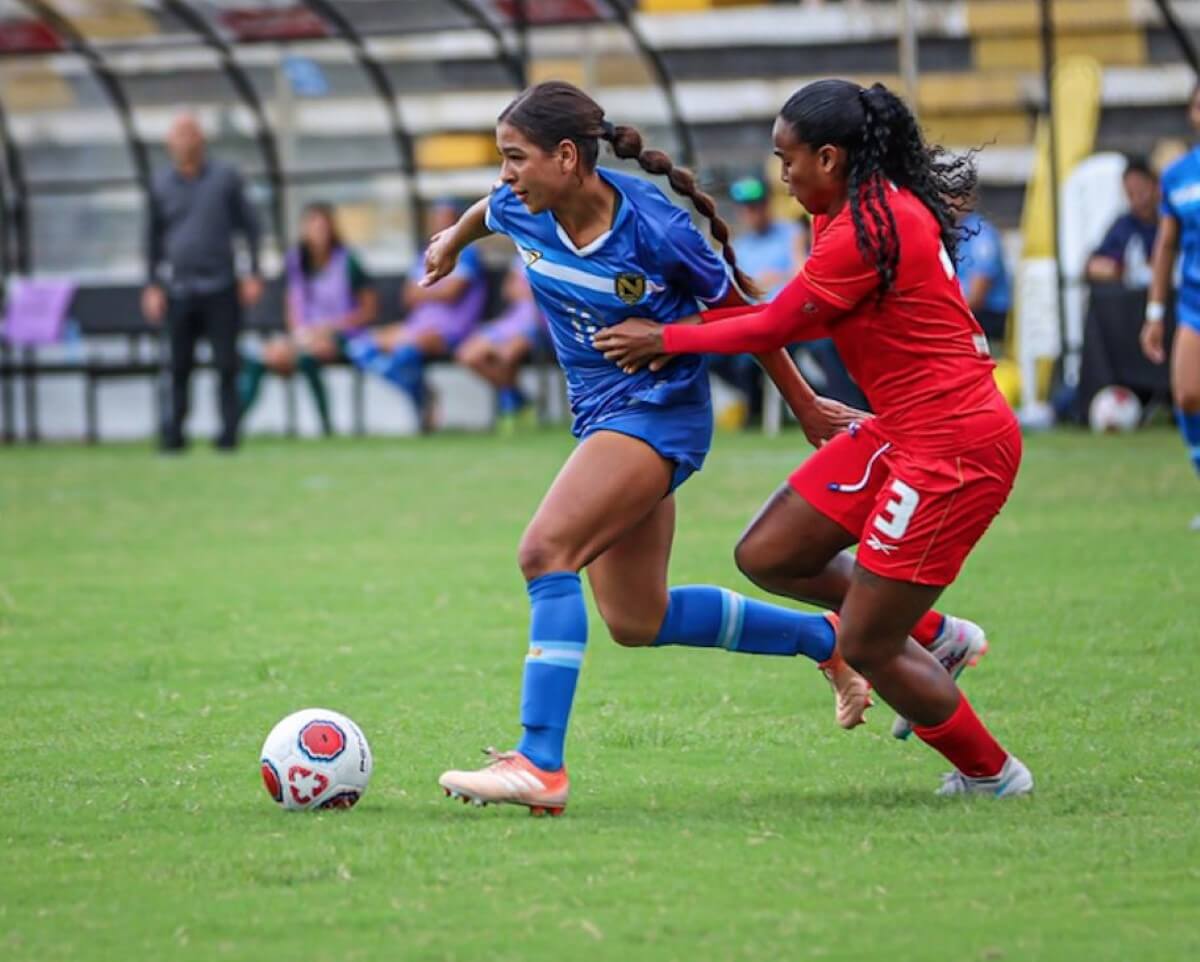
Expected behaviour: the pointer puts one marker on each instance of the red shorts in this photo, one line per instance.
(916, 517)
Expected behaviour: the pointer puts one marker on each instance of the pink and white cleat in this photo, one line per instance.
(852, 690)
(510, 778)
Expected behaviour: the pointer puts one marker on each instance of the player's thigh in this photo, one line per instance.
(629, 579)
(1185, 368)
(609, 484)
(789, 538)
(819, 512)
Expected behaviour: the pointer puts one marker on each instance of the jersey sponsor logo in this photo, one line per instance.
(981, 344)
(530, 256)
(630, 287)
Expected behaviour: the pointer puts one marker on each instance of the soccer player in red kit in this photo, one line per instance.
(917, 485)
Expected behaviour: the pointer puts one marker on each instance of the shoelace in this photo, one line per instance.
(498, 757)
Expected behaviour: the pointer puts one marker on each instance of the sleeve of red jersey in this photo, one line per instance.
(834, 280)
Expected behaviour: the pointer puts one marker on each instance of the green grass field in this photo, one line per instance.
(158, 616)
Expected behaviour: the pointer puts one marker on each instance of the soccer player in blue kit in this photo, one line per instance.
(601, 246)
(1179, 230)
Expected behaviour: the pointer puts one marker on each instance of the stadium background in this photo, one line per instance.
(380, 107)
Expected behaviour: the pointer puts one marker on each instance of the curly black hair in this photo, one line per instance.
(883, 144)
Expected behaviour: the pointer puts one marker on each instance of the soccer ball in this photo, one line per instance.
(1115, 409)
(316, 758)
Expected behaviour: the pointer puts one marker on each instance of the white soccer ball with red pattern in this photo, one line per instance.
(316, 758)
(1115, 409)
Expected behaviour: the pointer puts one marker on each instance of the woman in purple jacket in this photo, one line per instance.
(329, 297)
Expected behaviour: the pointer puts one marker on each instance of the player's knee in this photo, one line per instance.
(630, 633)
(858, 652)
(765, 566)
(1187, 399)
(539, 555)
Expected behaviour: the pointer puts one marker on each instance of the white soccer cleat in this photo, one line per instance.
(1013, 779)
(510, 778)
(961, 643)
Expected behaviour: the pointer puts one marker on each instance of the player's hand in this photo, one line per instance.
(154, 304)
(441, 257)
(632, 344)
(828, 418)
(1151, 340)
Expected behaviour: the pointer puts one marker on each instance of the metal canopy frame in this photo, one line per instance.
(16, 249)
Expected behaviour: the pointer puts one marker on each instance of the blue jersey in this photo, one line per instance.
(653, 263)
(1181, 200)
(980, 254)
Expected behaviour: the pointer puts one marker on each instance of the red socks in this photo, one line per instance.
(928, 628)
(965, 742)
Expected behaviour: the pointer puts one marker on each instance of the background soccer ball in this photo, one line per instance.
(316, 758)
(1115, 408)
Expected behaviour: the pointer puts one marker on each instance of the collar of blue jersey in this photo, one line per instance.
(621, 213)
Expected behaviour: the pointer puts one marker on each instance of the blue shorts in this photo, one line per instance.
(1187, 314)
(680, 433)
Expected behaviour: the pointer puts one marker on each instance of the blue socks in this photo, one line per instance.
(1189, 427)
(511, 400)
(703, 616)
(557, 639)
(699, 616)
(403, 367)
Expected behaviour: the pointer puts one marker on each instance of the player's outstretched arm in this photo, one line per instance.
(441, 255)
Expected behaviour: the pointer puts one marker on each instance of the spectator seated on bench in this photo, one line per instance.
(329, 297)
(439, 319)
(499, 348)
(1123, 256)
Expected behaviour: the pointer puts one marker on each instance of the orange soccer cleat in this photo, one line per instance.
(853, 691)
(510, 778)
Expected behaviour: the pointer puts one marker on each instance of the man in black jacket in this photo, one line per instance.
(199, 205)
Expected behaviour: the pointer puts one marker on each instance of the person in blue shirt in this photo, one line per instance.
(439, 318)
(1179, 234)
(1123, 256)
(982, 274)
(601, 246)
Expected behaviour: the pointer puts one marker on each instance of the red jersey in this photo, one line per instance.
(918, 354)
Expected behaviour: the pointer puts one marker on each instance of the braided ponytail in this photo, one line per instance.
(627, 144)
(549, 113)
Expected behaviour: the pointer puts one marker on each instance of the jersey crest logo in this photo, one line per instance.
(630, 287)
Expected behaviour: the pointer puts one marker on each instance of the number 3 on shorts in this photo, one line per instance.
(892, 520)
